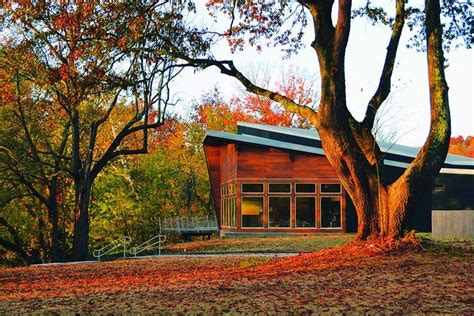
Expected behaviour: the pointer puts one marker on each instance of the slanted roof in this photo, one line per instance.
(308, 141)
(276, 132)
(260, 141)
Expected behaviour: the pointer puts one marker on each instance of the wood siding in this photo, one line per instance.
(260, 162)
(228, 163)
(213, 159)
(241, 163)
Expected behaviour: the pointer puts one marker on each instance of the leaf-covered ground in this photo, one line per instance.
(343, 279)
(271, 244)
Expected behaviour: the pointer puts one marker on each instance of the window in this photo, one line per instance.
(305, 188)
(252, 187)
(279, 188)
(232, 213)
(252, 211)
(330, 188)
(305, 211)
(228, 205)
(279, 211)
(330, 212)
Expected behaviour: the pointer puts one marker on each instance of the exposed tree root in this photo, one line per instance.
(389, 245)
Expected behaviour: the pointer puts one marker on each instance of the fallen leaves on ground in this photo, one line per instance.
(350, 278)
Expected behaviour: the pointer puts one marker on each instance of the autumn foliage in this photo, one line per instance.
(216, 114)
(462, 146)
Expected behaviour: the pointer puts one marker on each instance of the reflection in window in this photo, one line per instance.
(305, 188)
(252, 187)
(331, 188)
(279, 212)
(330, 212)
(279, 187)
(252, 211)
(305, 212)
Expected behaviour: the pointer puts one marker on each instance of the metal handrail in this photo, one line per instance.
(179, 224)
(122, 241)
(158, 239)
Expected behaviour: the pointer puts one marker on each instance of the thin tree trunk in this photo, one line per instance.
(54, 252)
(81, 228)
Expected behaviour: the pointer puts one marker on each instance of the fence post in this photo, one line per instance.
(159, 245)
(124, 247)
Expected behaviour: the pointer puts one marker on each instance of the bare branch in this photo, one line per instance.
(385, 81)
(342, 29)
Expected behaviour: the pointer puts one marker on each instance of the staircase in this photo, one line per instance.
(117, 243)
(150, 243)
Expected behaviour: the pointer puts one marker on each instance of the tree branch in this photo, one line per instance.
(430, 159)
(17, 245)
(343, 26)
(385, 82)
(228, 68)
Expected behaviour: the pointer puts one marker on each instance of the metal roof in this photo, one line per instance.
(453, 164)
(249, 139)
(396, 149)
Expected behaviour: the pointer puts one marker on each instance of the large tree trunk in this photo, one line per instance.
(84, 188)
(350, 146)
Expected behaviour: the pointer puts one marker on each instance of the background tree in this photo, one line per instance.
(462, 146)
(89, 57)
(213, 112)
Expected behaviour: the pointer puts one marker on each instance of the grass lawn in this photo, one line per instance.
(338, 280)
(272, 244)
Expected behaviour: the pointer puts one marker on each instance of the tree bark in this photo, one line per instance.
(54, 251)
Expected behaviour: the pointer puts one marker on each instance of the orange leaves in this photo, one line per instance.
(122, 43)
(7, 89)
(136, 24)
(65, 72)
(462, 146)
(217, 114)
(340, 280)
(62, 20)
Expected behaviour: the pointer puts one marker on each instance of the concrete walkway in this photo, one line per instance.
(219, 255)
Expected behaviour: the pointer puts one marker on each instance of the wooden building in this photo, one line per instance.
(278, 180)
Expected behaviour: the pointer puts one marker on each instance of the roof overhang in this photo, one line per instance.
(398, 156)
(260, 141)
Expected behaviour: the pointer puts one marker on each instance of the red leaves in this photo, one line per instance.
(346, 278)
(463, 147)
(216, 114)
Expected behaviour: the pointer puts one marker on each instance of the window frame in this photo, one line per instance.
(330, 193)
(242, 192)
(315, 199)
(279, 193)
(321, 211)
(242, 214)
(268, 210)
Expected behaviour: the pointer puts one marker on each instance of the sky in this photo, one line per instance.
(405, 114)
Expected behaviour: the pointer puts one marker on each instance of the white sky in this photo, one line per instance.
(407, 109)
